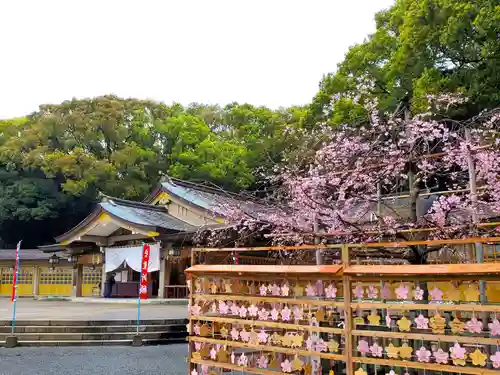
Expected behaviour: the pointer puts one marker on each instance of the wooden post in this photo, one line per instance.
(190, 324)
(162, 276)
(36, 283)
(379, 201)
(193, 257)
(77, 280)
(473, 197)
(347, 314)
(168, 269)
(319, 253)
(190, 279)
(103, 277)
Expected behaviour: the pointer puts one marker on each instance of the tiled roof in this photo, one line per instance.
(216, 199)
(484, 212)
(211, 199)
(25, 254)
(134, 214)
(397, 208)
(400, 209)
(144, 214)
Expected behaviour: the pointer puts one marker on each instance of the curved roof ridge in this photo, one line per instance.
(215, 189)
(129, 203)
(136, 214)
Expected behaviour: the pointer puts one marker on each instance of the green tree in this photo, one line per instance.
(268, 136)
(420, 47)
(190, 149)
(214, 160)
(33, 208)
(54, 162)
(117, 146)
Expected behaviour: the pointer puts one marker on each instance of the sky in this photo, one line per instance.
(263, 52)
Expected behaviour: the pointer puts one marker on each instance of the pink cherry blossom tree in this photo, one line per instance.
(349, 190)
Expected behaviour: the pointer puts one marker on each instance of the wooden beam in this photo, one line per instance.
(426, 366)
(459, 241)
(108, 241)
(242, 322)
(109, 218)
(266, 248)
(430, 278)
(267, 299)
(401, 244)
(276, 349)
(428, 337)
(229, 366)
(334, 269)
(126, 237)
(98, 240)
(428, 307)
(423, 270)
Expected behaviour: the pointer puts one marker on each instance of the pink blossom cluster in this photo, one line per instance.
(337, 191)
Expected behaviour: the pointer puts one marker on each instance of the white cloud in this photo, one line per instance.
(271, 52)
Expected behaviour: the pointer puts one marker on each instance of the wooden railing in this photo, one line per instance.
(176, 291)
(359, 317)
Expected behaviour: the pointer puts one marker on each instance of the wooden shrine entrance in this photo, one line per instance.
(355, 316)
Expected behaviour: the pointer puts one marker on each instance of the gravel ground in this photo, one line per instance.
(104, 360)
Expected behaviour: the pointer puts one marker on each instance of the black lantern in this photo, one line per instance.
(73, 259)
(54, 261)
(174, 252)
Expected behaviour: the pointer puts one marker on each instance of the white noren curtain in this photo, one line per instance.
(132, 256)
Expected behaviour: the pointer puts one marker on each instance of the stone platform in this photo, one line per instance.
(92, 332)
(29, 309)
(128, 301)
(63, 323)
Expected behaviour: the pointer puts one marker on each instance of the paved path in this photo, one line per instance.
(107, 360)
(28, 309)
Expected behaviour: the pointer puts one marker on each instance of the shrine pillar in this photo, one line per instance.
(77, 280)
(103, 278)
(161, 286)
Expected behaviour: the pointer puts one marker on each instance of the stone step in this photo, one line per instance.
(88, 333)
(93, 336)
(22, 323)
(121, 342)
(93, 329)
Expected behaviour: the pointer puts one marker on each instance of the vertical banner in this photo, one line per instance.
(15, 276)
(143, 291)
(15, 279)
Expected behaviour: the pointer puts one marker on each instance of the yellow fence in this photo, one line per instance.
(57, 282)
(51, 282)
(25, 281)
(92, 276)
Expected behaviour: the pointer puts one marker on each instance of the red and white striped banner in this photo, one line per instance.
(16, 272)
(146, 251)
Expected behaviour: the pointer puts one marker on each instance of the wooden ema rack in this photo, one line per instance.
(386, 319)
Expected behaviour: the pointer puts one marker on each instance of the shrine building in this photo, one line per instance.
(110, 239)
